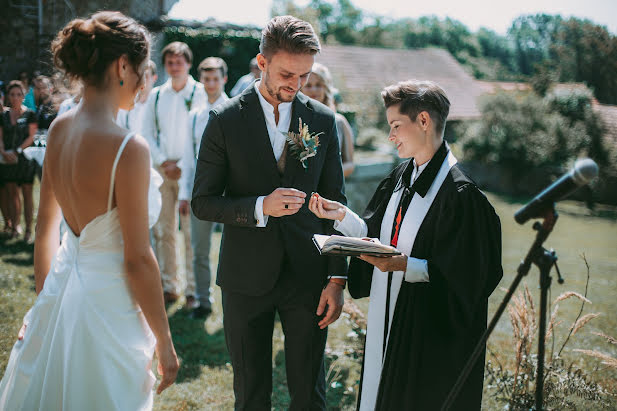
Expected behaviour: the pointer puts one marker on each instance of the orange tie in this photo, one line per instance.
(399, 218)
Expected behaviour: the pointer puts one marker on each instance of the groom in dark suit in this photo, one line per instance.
(248, 178)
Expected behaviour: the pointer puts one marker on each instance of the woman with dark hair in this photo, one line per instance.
(428, 306)
(17, 129)
(88, 341)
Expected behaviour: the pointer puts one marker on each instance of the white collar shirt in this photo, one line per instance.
(417, 170)
(132, 119)
(278, 136)
(197, 122)
(276, 132)
(172, 113)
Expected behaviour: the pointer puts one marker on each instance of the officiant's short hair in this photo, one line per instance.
(290, 34)
(416, 96)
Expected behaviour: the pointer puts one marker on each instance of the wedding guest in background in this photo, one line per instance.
(428, 306)
(71, 102)
(246, 80)
(29, 98)
(165, 126)
(133, 119)
(321, 87)
(4, 208)
(17, 132)
(213, 75)
(45, 110)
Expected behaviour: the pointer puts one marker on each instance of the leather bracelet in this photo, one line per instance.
(340, 281)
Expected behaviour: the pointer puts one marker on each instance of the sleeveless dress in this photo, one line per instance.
(87, 345)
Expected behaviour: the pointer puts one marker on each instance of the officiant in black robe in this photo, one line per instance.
(428, 307)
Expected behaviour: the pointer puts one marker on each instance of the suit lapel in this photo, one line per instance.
(300, 110)
(258, 140)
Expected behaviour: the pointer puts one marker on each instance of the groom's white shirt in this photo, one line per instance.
(278, 136)
(353, 226)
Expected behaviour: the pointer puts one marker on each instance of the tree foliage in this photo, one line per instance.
(525, 131)
(236, 47)
(549, 46)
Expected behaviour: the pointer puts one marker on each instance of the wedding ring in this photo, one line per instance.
(286, 206)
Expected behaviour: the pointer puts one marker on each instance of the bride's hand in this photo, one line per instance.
(168, 364)
(324, 208)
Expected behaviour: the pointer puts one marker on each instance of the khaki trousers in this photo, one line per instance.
(164, 233)
(185, 228)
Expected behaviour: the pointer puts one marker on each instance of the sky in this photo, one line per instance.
(493, 14)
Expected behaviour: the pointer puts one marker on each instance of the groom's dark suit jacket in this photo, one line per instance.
(236, 164)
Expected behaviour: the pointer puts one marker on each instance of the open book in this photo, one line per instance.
(339, 245)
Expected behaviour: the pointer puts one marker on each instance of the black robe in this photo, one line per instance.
(436, 325)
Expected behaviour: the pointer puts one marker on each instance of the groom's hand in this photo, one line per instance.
(331, 296)
(283, 201)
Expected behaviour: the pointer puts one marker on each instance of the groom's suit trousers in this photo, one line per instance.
(249, 323)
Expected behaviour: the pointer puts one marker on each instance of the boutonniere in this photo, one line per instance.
(303, 145)
(189, 101)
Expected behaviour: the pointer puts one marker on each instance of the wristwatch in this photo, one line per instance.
(19, 150)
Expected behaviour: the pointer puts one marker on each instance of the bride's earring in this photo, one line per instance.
(121, 83)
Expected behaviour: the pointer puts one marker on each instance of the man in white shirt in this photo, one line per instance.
(248, 179)
(132, 120)
(213, 75)
(165, 126)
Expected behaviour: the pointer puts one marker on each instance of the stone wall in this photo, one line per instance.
(25, 39)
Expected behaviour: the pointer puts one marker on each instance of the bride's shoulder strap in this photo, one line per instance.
(113, 169)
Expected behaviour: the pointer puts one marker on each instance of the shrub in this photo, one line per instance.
(523, 130)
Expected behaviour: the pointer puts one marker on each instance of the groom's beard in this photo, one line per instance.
(277, 93)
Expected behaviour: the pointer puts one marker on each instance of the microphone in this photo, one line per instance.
(583, 172)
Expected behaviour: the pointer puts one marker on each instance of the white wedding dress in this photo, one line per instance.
(87, 345)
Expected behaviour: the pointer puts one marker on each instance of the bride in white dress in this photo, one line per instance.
(88, 341)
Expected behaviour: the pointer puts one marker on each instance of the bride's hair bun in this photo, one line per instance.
(84, 49)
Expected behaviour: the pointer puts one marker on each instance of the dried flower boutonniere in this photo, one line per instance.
(303, 145)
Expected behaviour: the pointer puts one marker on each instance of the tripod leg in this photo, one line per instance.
(545, 283)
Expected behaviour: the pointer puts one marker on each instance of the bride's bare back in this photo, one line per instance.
(80, 155)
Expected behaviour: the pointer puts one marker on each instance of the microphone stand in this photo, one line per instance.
(544, 260)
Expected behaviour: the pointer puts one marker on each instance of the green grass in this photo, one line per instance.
(205, 378)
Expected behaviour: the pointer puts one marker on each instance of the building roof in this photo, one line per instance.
(366, 70)
(608, 115)
(491, 87)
